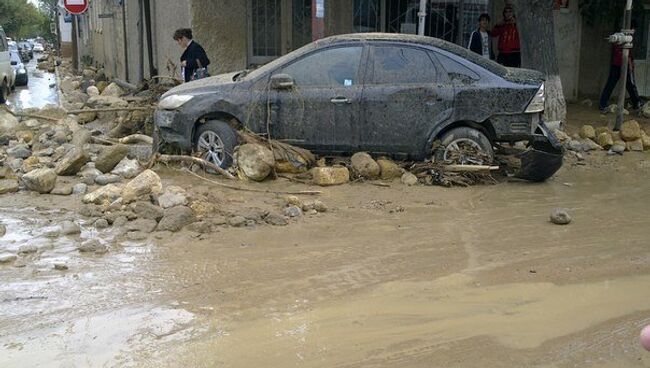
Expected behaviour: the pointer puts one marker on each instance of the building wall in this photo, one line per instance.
(568, 28)
(221, 27)
(166, 17)
(339, 17)
(594, 67)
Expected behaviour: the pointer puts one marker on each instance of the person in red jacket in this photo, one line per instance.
(615, 75)
(506, 31)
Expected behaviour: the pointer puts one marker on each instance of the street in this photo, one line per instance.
(38, 92)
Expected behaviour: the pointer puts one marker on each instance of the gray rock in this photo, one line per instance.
(27, 249)
(120, 221)
(104, 195)
(92, 246)
(3, 230)
(40, 180)
(110, 157)
(148, 210)
(106, 179)
(560, 216)
(142, 225)
(276, 219)
(72, 162)
(618, 148)
(8, 186)
(88, 173)
(365, 166)
(79, 189)
(101, 223)
(172, 197)
(19, 151)
(176, 218)
(201, 227)
(316, 205)
(16, 164)
(60, 137)
(144, 184)
(237, 221)
(293, 211)
(62, 189)
(70, 228)
(128, 169)
(409, 179)
(7, 257)
(8, 122)
(254, 161)
(60, 266)
(136, 235)
(113, 90)
(81, 137)
(47, 152)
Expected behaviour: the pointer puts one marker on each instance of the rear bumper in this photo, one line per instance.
(543, 158)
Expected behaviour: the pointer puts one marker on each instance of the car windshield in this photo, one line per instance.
(15, 57)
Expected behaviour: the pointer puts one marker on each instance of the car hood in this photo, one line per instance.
(205, 85)
(524, 76)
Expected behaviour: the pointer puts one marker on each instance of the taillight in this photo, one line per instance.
(537, 104)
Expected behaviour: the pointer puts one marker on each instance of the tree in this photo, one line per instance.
(605, 11)
(537, 30)
(21, 19)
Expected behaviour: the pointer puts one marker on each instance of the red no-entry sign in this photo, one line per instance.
(76, 6)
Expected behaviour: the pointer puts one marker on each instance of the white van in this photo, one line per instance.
(7, 74)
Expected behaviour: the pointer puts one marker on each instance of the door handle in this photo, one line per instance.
(340, 100)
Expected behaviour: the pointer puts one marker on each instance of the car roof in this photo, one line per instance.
(423, 41)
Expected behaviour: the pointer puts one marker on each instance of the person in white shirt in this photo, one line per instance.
(480, 41)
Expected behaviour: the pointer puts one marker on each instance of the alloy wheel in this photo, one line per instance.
(211, 147)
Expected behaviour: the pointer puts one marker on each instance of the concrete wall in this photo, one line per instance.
(568, 29)
(221, 27)
(168, 16)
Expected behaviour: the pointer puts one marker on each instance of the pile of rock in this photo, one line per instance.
(630, 138)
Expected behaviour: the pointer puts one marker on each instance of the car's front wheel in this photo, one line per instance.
(464, 146)
(215, 141)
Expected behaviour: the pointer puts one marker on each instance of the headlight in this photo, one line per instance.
(537, 104)
(174, 101)
(22, 71)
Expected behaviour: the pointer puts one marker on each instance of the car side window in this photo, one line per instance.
(458, 73)
(402, 65)
(334, 67)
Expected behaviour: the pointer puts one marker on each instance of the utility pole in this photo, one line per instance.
(625, 40)
(422, 14)
(75, 44)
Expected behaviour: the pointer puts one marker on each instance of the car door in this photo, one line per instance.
(322, 110)
(405, 94)
(5, 67)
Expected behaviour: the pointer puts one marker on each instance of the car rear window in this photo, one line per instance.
(401, 65)
(458, 73)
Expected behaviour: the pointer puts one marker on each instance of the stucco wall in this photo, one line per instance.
(568, 28)
(168, 16)
(220, 26)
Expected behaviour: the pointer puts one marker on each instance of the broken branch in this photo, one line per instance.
(167, 159)
(136, 138)
(112, 109)
(469, 168)
(305, 192)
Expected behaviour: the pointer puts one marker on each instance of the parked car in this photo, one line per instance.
(6, 71)
(26, 51)
(392, 94)
(20, 72)
(38, 47)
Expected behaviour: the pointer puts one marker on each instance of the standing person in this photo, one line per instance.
(193, 57)
(509, 47)
(615, 75)
(480, 41)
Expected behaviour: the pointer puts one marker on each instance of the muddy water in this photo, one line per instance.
(414, 277)
(38, 92)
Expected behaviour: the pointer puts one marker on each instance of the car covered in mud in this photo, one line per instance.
(406, 96)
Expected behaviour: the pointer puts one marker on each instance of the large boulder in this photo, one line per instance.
(104, 195)
(40, 180)
(113, 90)
(175, 218)
(334, 175)
(173, 196)
(72, 162)
(8, 122)
(128, 169)
(630, 131)
(144, 184)
(110, 157)
(254, 161)
(588, 131)
(19, 151)
(389, 169)
(364, 165)
(605, 140)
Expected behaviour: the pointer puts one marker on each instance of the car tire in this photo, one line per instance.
(215, 141)
(4, 93)
(458, 142)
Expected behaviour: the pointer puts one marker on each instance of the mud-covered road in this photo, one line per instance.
(388, 277)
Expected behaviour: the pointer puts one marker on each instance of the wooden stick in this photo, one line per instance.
(32, 116)
(469, 168)
(112, 109)
(306, 192)
(194, 160)
(103, 141)
(136, 138)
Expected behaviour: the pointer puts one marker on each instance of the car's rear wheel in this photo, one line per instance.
(4, 92)
(215, 141)
(464, 146)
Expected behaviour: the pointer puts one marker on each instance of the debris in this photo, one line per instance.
(110, 157)
(254, 161)
(389, 169)
(7, 257)
(104, 195)
(148, 210)
(292, 211)
(365, 166)
(101, 223)
(106, 179)
(70, 228)
(148, 182)
(73, 161)
(172, 197)
(142, 225)
(237, 221)
(175, 218)
(19, 151)
(79, 189)
(128, 169)
(59, 266)
(635, 145)
(137, 139)
(275, 219)
(630, 131)
(113, 90)
(409, 179)
(193, 160)
(27, 249)
(588, 131)
(62, 189)
(560, 216)
(8, 186)
(40, 180)
(605, 140)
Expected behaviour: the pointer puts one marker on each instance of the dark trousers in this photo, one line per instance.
(510, 59)
(614, 76)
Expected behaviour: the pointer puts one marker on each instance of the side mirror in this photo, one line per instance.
(282, 81)
(13, 63)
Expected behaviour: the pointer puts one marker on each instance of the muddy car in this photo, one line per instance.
(405, 96)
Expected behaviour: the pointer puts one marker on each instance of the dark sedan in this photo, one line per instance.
(390, 94)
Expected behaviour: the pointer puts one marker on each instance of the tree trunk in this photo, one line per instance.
(537, 35)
